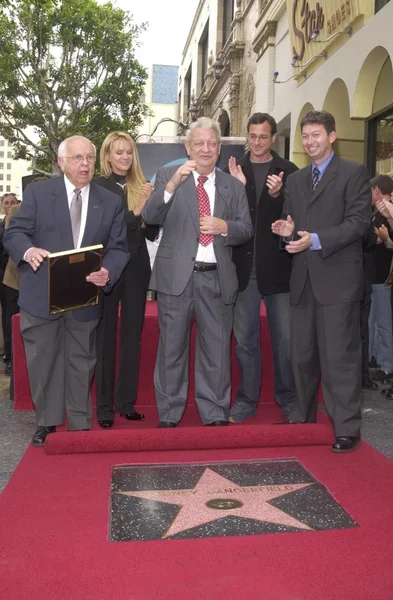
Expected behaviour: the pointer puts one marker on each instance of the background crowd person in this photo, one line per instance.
(194, 275)
(11, 281)
(378, 268)
(60, 214)
(328, 210)
(369, 241)
(121, 173)
(263, 271)
(7, 201)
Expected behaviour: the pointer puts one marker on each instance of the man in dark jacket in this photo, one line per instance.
(263, 271)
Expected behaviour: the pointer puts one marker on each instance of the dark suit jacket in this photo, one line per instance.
(339, 211)
(273, 264)
(139, 265)
(177, 251)
(44, 221)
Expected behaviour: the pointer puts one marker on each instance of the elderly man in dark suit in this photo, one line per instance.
(328, 209)
(204, 213)
(61, 214)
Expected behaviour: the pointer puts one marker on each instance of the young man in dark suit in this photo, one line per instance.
(263, 271)
(327, 209)
(61, 214)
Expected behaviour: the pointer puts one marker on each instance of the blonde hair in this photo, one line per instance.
(135, 178)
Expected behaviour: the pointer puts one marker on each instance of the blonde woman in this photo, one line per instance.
(121, 173)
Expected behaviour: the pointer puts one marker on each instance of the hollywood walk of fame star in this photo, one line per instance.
(215, 497)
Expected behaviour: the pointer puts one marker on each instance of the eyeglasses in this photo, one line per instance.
(253, 137)
(78, 158)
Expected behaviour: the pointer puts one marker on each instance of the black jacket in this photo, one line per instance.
(273, 264)
(139, 265)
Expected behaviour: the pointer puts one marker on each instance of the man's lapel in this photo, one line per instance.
(328, 175)
(61, 212)
(95, 211)
(188, 189)
(221, 199)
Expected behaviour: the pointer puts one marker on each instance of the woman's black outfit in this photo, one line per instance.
(130, 291)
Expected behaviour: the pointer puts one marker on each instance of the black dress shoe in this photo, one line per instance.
(39, 437)
(7, 370)
(286, 422)
(368, 384)
(166, 424)
(105, 423)
(217, 423)
(345, 443)
(382, 375)
(135, 416)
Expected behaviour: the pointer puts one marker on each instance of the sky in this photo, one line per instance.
(169, 25)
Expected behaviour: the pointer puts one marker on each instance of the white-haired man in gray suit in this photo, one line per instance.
(204, 213)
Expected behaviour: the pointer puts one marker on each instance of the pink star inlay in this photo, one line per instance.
(226, 499)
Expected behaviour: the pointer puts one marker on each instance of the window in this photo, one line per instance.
(203, 54)
(1, 176)
(1, 153)
(228, 14)
(8, 166)
(380, 4)
(1, 188)
(9, 154)
(8, 176)
(8, 188)
(1, 143)
(1, 165)
(379, 143)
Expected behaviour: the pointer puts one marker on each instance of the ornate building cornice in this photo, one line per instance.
(264, 38)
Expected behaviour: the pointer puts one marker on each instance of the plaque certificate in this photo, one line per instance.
(67, 272)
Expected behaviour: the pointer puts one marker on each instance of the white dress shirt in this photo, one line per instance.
(204, 253)
(85, 201)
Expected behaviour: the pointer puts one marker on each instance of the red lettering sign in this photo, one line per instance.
(304, 27)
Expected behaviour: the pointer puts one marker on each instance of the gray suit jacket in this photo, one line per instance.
(44, 221)
(339, 211)
(179, 245)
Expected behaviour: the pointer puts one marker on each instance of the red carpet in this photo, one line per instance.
(196, 438)
(22, 396)
(54, 531)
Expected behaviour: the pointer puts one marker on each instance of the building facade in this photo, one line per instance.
(160, 96)
(287, 57)
(11, 171)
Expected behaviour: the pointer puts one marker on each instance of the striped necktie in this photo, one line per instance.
(315, 177)
(76, 215)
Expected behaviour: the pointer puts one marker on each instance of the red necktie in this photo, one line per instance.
(204, 208)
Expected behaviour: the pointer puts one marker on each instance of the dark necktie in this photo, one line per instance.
(315, 177)
(76, 214)
(204, 208)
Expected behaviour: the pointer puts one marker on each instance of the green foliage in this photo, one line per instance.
(67, 67)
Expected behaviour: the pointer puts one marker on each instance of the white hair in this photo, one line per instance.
(204, 123)
(62, 150)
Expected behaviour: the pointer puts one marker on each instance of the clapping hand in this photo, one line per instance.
(180, 175)
(145, 193)
(275, 183)
(236, 170)
(284, 228)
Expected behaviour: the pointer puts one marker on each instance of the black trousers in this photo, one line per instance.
(6, 331)
(365, 306)
(12, 308)
(121, 397)
(325, 341)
